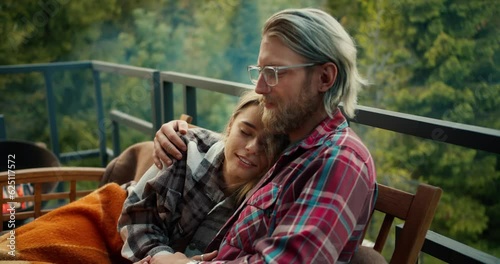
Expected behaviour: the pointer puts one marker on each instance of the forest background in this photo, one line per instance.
(434, 58)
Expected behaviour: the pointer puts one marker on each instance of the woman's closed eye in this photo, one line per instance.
(245, 132)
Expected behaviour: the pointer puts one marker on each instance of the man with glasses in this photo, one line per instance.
(314, 203)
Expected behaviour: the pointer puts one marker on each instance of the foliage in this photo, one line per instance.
(438, 59)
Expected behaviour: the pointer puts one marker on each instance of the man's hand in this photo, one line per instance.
(176, 258)
(168, 142)
(144, 260)
(206, 256)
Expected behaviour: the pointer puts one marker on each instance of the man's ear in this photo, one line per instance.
(328, 76)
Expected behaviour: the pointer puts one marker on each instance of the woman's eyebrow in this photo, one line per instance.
(249, 124)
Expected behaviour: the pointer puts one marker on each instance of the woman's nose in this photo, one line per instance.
(252, 146)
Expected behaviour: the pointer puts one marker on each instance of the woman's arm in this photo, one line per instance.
(151, 215)
(140, 224)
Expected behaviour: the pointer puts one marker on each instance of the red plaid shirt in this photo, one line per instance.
(311, 207)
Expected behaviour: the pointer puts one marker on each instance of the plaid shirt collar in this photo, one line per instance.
(320, 134)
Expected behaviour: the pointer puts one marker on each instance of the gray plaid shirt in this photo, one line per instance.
(166, 207)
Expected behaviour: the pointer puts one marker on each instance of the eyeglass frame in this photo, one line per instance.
(276, 69)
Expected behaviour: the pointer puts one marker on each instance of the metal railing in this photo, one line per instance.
(162, 105)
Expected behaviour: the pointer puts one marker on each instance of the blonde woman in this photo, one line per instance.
(181, 207)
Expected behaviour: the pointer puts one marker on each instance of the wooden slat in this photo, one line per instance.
(50, 196)
(383, 233)
(38, 199)
(72, 191)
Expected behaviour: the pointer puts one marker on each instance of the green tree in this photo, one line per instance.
(48, 31)
(438, 59)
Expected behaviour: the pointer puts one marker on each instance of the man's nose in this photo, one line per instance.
(261, 86)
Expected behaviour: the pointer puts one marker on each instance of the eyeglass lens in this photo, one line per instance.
(268, 73)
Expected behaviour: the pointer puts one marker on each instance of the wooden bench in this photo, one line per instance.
(416, 210)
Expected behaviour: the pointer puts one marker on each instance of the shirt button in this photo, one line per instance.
(179, 227)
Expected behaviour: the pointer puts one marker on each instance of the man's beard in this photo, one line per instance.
(288, 116)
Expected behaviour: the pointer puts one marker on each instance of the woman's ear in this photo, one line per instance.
(328, 76)
(229, 126)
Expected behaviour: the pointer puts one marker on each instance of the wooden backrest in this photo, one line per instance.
(38, 177)
(417, 210)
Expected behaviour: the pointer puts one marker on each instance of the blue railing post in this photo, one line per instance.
(156, 102)
(167, 103)
(190, 103)
(54, 134)
(3, 129)
(101, 125)
(115, 130)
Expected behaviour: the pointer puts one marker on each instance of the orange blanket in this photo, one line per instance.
(84, 231)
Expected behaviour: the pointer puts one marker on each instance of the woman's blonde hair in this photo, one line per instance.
(274, 144)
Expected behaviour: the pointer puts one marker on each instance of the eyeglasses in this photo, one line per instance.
(270, 72)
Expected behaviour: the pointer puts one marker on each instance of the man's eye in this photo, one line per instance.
(281, 72)
(244, 132)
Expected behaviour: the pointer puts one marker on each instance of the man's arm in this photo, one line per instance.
(168, 142)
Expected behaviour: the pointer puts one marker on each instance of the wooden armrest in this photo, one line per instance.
(51, 174)
(39, 177)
